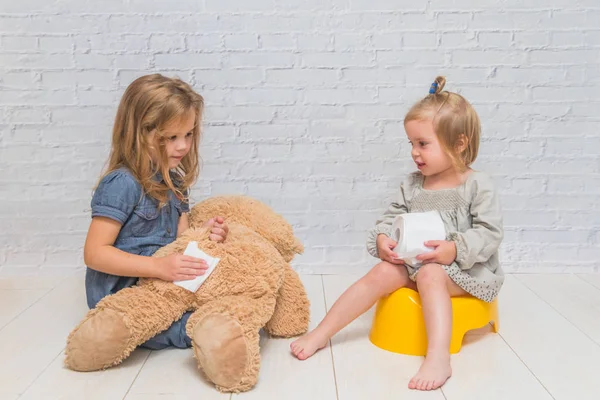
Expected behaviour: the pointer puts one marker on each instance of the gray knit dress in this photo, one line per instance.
(473, 220)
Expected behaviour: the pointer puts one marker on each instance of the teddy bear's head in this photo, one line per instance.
(253, 214)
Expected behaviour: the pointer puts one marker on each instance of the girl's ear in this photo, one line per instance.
(152, 143)
(461, 143)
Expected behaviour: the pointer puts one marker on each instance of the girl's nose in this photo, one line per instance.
(181, 144)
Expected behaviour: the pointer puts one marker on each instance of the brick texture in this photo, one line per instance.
(305, 100)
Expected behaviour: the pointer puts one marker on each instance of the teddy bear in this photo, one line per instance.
(252, 287)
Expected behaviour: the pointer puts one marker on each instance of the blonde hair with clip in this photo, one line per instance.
(149, 104)
(454, 121)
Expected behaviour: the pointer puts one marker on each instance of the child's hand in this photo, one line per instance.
(385, 249)
(218, 229)
(444, 252)
(177, 267)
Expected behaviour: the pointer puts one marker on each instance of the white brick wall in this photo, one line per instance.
(305, 100)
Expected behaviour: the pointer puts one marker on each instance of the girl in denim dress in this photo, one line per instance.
(141, 202)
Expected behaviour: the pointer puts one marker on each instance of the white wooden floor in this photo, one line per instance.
(548, 348)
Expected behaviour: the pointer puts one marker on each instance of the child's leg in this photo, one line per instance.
(175, 336)
(435, 289)
(99, 285)
(382, 279)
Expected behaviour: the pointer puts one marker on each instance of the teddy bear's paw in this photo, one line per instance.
(99, 342)
(221, 350)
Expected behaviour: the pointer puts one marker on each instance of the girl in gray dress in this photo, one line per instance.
(443, 129)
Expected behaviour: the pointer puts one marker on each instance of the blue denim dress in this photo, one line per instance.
(145, 228)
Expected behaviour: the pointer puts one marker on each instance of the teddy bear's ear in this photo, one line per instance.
(253, 214)
(298, 247)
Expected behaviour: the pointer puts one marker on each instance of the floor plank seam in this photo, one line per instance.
(62, 350)
(526, 366)
(138, 374)
(589, 283)
(442, 392)
(27, 308)
(558, 312)
(337, 394)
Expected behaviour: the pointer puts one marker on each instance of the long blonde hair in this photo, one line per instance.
(148, 104)
(454, 119)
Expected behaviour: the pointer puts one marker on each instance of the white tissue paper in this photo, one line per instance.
(412, 230)
(193, 251)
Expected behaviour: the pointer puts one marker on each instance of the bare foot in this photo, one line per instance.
(308, 344)
(433, 373)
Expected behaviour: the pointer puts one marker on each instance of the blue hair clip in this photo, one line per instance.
(433, 88)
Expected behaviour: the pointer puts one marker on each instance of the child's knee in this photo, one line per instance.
(431, 274)
(382, 270)
(388, 276)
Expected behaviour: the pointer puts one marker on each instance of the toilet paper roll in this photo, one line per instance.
(412, 230)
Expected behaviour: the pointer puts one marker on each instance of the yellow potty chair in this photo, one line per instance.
(399, 327)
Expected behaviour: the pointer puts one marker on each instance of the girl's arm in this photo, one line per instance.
(100, 254)
(480, 242)
(218, 227)
(183, 224)
(384, 223)
(113, 202)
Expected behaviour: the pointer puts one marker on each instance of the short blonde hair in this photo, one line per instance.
(147, 106)
(452, 116)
